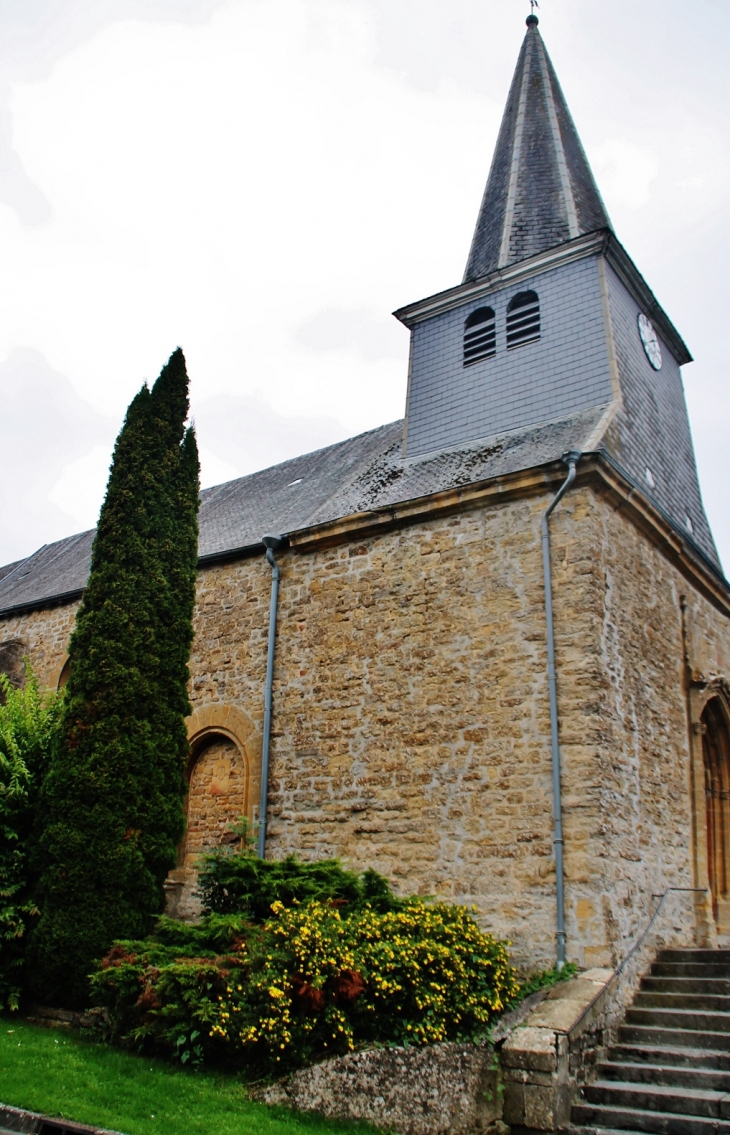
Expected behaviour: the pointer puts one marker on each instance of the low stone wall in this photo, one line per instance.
(543, 1060)
(526, 1078)
(441, 1089)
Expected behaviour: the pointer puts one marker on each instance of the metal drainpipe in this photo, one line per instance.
(571, 460)
(272, 544)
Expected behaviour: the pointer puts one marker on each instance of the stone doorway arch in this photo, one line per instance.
(218, 784)
(716, 762)
(224, 776)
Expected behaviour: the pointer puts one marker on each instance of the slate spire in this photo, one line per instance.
(540, 191)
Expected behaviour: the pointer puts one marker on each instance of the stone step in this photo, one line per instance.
(689, 969)
(661, 999)
(694, 955)
(665, 1075)
(677, 1057)
(600, 1118)
(571, 1129)
(658, 1097)
(719, 985)
(673, 1037)
(680, 1019)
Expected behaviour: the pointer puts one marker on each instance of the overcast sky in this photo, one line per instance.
(263, 181)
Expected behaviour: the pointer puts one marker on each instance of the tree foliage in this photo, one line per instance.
(113, 796)
(29, 723)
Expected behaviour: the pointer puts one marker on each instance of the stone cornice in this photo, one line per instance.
(61, 600)
(577, 249)
(601, 243)
(594, 470)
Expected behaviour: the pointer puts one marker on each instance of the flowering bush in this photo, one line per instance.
(311, 982)
(423, 974)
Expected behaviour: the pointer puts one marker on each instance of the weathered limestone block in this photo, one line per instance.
(441, 1089)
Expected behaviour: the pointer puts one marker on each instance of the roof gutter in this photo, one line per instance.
(571, 460)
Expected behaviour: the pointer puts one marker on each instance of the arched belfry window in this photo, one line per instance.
(523, 319)
(480, 336)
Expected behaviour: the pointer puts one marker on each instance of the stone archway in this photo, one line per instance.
(217, 795)
(224, 779)
(716, 763)
(64, 675)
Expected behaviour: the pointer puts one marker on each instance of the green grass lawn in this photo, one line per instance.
(62, 1074)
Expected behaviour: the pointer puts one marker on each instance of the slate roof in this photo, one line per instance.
(362, 473)
(540, 191)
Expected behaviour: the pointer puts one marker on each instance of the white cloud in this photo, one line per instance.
(218, 186)
(625, 171)
(80, 489)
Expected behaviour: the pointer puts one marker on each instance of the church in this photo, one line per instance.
(485, 649)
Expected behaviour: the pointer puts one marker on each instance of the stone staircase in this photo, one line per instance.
(670, 1071)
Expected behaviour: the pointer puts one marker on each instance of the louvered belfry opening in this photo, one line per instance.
(480, 336)
(523, 319)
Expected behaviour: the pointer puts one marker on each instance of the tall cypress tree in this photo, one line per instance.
(112, 802)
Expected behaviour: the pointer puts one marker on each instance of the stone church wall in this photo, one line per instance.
(624, 728)
(411, 728)
(43, 636)
(405, 666)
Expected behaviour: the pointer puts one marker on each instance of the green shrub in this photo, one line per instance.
(232, 882)
(113, 796)
(28, 729)
(161, 990)
(314, 980)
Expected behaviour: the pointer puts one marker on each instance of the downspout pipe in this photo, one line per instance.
(571, 459)
(272, 544)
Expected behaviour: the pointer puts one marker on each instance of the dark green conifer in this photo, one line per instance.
(113, 798)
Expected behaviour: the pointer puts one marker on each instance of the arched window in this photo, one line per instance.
(480, 336)
(523, 319)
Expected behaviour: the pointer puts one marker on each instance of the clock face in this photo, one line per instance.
(650, 341)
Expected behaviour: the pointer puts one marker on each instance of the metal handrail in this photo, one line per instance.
(632, 951)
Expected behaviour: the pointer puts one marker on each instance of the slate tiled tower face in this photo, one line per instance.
(566, 370)
(543, 228)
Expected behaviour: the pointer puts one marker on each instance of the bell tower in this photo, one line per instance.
(553, 322)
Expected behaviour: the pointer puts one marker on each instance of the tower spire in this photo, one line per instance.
(540, 192)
